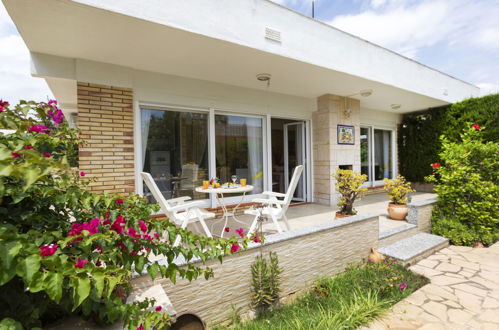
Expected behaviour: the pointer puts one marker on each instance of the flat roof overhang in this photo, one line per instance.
(199, 40)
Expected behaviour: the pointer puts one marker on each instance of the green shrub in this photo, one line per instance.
(349, 185)
(418, 136)
(265, 283)
(467, 184)
(66, 250)
(398, 189)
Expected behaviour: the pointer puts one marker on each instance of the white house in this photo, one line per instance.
(190, 90)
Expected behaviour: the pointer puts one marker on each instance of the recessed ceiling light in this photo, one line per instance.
(263, 76)
(366, 92)
(395, 106)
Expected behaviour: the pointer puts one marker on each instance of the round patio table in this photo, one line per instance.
(219, 193)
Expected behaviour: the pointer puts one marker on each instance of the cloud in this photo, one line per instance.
(487, 88)
(16, 82)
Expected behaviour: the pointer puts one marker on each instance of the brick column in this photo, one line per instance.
(105, 119)
(328, 154)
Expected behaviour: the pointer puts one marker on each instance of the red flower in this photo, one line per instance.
(240, 231)
(15, 155)
(234, 248)
(156, 235)
(39, 129)
(82, 173)
(143, 226)
(47, 154)
(28, 147)
(158, 308)
(436, 165)
(476, 126)
(118, 225)
(227, 229)
(3, 104)
(141, 327)
(80, 263)
(119, 201)
(256, 239)
(132, 232)
(48, 250)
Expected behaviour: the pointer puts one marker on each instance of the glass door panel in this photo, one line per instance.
(365, 152)
(294, 155)
(382, 155)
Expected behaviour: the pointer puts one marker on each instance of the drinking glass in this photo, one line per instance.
(234, 178)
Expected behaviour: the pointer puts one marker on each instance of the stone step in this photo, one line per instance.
(393, 235)
(414, 248)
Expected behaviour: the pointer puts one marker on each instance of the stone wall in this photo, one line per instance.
(420, 214)
(105, 119)
(304, 254)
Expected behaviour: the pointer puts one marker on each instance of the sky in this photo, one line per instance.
(458, 37)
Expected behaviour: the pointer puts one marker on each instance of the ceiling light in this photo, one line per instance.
(366, 92)
(263, 76)
(395, 106)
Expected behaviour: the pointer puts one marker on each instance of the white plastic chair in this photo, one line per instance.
(273, 206)
(177, 210)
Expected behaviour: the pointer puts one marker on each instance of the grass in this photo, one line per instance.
(345, 301)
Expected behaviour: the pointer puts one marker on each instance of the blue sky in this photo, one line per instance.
(458, 37)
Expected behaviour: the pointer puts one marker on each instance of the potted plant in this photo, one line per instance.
(349, 185)
(398, 189)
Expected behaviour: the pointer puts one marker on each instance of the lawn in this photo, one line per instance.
(345, 301)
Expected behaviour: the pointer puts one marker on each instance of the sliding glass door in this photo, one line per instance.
(376, 154)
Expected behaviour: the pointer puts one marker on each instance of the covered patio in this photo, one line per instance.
(308, 214)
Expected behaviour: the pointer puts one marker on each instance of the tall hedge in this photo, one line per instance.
(418, 136)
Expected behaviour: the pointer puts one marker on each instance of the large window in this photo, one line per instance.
(239, 149)
(376, 154)
(175, 151)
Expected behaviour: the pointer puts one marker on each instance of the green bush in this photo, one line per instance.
(418, 136)
(467, 184)
(66, 250)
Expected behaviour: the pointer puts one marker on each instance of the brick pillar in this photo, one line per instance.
(105, 119)
(328, 154)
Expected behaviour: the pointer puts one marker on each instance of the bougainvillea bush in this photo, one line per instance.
(66, 250)
(467, 184)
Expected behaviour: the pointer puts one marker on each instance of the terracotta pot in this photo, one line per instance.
(339, 215)
(397, 211)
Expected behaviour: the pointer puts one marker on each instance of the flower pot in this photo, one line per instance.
(397, 211)
(339, 215)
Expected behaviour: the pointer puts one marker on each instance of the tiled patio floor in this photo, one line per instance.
(309, 214)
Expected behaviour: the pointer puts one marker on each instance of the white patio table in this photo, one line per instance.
(219, 193)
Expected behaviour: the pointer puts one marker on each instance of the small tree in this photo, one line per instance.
(349, 185)
(467, 184)
(398, 189)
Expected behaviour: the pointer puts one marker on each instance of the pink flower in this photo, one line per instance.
(476, 126)
(141, 327)
(119, 201)
(227, 229)
(52, 102)
(234, 248)
(122, 246)
(80, 263)
(48, 250)
(132, 232)
(158, 308)
(256, 239)
(47, 154)
(436, 165)
(3, 104)
(28, 147)
(118, 225)
(82, 173)
(402, 286)
(15, 155)
(156, 235)
(39, 129)
(92, 227)
(143, 226)
(240, 231)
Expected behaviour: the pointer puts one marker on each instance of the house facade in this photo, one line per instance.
(191, 90)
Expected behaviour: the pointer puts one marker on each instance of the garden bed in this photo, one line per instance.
(345, 301)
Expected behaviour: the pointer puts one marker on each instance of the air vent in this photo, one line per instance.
(272, 34)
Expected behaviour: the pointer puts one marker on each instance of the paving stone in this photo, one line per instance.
(465, 264)
(489, 326)
(459, 316)
(428, 272)
(436, 309)
(489, 302)
(467, 273)
(433, 326)
(452, 304)
(490, 315)
(428, 263)
(469, 301)
(435, 298)
(471, 289)
(418, 298)
(446, 280)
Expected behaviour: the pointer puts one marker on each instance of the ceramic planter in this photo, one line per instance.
(397, 211)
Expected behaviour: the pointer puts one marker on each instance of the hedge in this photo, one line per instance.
(418, 136)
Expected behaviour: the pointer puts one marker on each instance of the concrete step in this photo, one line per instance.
(414, 248)
(392, 235)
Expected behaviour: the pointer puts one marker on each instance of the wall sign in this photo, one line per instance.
(346, 134)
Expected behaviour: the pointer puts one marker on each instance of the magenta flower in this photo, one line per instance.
(28, 147)
(80, 263)
(82, 173)
(118, 224)
(143, 226)
(402, 286)
(92, 227)
(158, 308)
(240, 231)
(48, 250)
(47, 154)
(119, 201)
(38, 129)
(15, 155)
(52, 102)
(132, 232)
(156, 235)
(3, 104)
(234, 248)
(141, 327)
(227, 229)
(256, 239)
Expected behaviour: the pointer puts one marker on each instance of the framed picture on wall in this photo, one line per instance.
(346, 134)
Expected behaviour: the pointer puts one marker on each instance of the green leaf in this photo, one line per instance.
(111, 283)
(27, 267)
(10, 324)
(37, 282)
(8, 250)
(81, 290)
(98, 278)
(6, 170)
(30, 176)
(53, 286)
(153, 270)
(6, 274)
